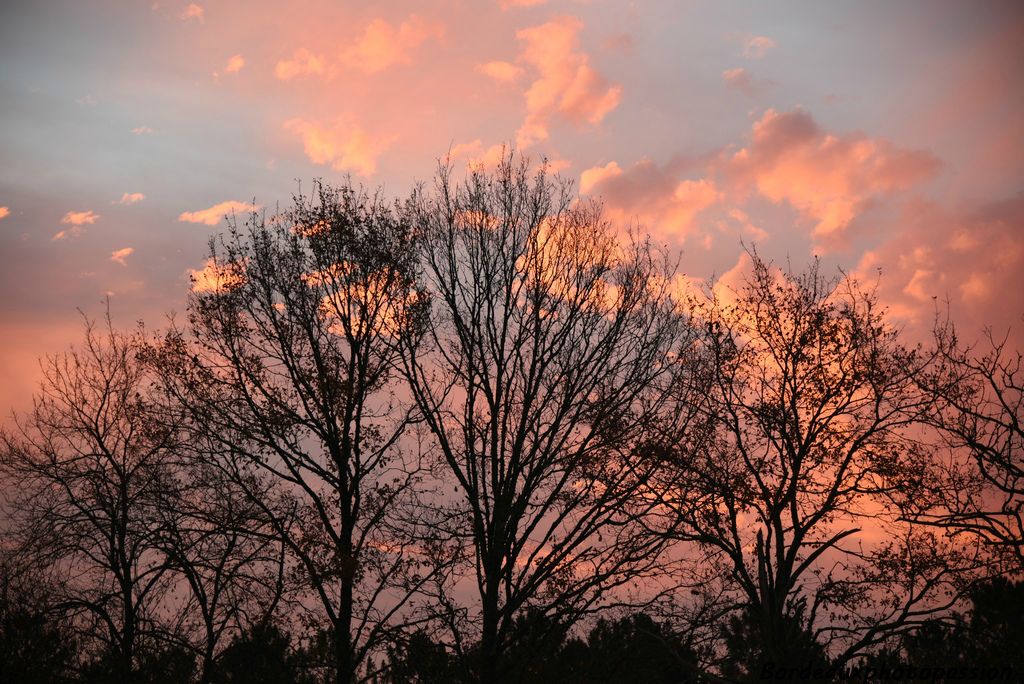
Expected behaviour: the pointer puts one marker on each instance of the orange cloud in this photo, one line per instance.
(80, 218)
(652, 195)
(746, 227)
(566, 84)
(970, 256)
(72, 232)
(829, 179)
(739, 79)
(120, 256)
(382, 45)
(343, 145)
(503, 72)
(192, 11)
(214, 277)
(757, 47)
(4, 213)
(594, 176)
(130, 198)
(302, 63)
(142, 130)
(234, 65)
(476, 155)
(213, 215)
(506, 4)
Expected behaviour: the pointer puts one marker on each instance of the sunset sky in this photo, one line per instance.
(877, 135)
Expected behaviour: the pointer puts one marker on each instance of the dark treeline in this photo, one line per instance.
(476, 435)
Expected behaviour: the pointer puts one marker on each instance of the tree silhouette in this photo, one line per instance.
(36, 647)
(979, 409)
(985, 641)
(790, 488)
(263, 654)
(536, 375)
(287, 371)
(88, 463)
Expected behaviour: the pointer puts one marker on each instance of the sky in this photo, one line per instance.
(885, 138)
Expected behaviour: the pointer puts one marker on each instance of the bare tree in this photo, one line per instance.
(87, 464)
(541, 365)
(287, 369)
(218, 544)
(791, 487)
(979, 409)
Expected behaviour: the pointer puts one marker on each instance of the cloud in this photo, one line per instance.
(566, 84)
(302, 63)
(507, 4)
(192, 11)
(971, 255)
(214, 277)
(746, 227)
(86, 100)
(72, 232)
(503, 72)
(756, 47)
(234, 65)
(594, 176)
(739, 79)
(142, 130)
(829, 179)
(476, 155)
(120, 256)
(382, 45)
(213, 215)
(655, 196)
(4, 213)
(130, 198)
(80, 218)
(342, 144)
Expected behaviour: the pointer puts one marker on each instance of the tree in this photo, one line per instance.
(979, 409)
(36, 646)
(263, 654)
(87, 464)
(637, 648)
(792, 485)
(217, 542)
(980, 644)
(536, 375)
(287, 370)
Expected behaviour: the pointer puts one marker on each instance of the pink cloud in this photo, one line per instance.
(120, 256)
(972, 256)
(215, 214)
(234, 64)
(739, 79)
(302, 63)
(476, 155)
(756, 47)
(342, 144)
(507, 4)
(214, 277)
(72, 232)
(192, 11)
(503, 72)
(130, 198)
(142, 130)
(654, 196)
(829, 179)
(80, 218)
(382, 45)
(566, 84)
